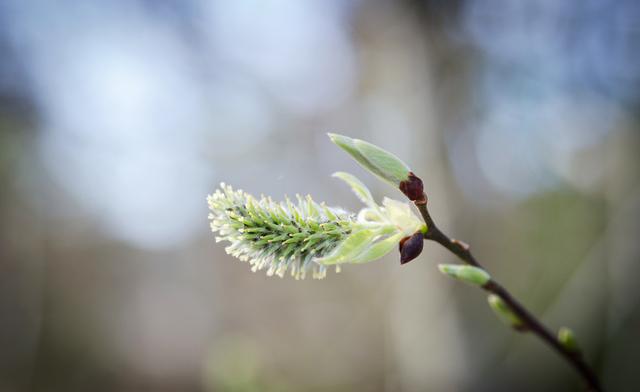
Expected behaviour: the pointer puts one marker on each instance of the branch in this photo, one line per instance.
(391, 169)
(529, 322)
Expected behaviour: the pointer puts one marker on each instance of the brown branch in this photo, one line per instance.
(529, 322)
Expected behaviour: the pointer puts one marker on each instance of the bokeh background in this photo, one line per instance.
(117, 118)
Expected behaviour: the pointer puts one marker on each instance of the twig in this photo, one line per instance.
(529, 322)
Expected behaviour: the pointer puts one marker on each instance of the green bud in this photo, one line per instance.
(504, 313)
(466, 273)
(373, 158)
(568, 339)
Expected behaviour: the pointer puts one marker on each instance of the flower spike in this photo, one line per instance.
(307, 237)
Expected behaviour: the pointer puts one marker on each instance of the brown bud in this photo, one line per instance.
(411, 247)
(413, 188)
(401, 243)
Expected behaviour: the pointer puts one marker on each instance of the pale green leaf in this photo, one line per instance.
(401, 215)
(357, 187)
(350, 247)
(377, 250)
(391, 167)
(348, 145)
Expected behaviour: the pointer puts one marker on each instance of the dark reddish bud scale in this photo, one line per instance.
(401, 243)
(411, 247)
(413, 188)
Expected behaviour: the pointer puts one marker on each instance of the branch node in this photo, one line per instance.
(520, 328)
(461, 244)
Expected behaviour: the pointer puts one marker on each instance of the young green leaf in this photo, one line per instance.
(348, 145)
(380, 162)
(401, 214)
(358, 188)
(378, 249)
(394, 170)
(349, 248)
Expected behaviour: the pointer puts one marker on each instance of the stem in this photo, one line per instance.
(529, 322)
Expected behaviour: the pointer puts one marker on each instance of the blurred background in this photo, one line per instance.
(117, 118)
